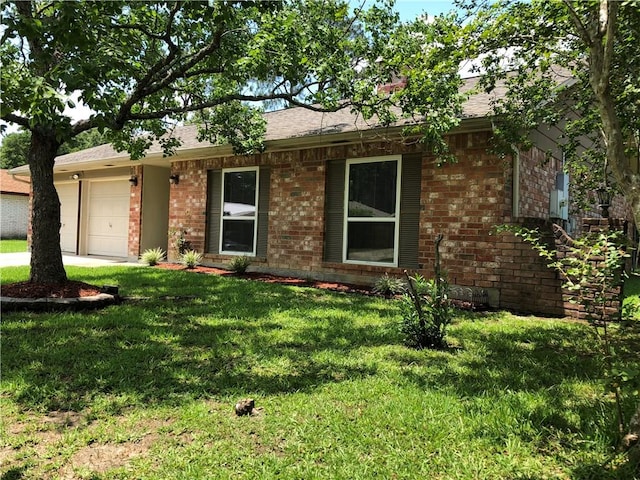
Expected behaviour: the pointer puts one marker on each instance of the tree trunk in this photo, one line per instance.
(600, 61)
(600, 52)
(46, 255)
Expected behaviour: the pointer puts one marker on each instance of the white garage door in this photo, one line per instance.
(68, 195)
(108, 225)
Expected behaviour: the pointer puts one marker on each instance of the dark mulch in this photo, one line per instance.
(270, 278)
(70, 289)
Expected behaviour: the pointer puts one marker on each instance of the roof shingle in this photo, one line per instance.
(8, 184)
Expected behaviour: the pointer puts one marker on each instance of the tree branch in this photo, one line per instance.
(610, 32)
(17, 119)
(289, 97)
(584, 33)
(143, 91)
(83, 125)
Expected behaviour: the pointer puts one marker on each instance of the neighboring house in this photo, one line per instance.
(14, 206)
(332, 197)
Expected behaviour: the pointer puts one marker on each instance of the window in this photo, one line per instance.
(234, 226)
(406, 213)
(239, 211)
(371, 220)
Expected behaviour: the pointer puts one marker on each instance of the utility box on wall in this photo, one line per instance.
(559, 198)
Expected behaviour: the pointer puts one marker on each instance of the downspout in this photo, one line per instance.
(515, 191)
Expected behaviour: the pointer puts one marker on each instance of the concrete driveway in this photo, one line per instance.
(23, 258)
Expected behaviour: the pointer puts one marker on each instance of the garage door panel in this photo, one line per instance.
(108, 226)
(118, 188)
(108, 246)
(108, 223)
(110, 207)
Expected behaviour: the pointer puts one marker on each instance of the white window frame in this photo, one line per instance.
(253, 218)
(395, 219)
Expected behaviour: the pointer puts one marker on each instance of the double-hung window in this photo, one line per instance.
(239, 219)
(371, 203)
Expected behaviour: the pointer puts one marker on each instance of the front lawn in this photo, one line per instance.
(146, 389)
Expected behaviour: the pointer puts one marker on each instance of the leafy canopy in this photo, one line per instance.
(142, 66)
(571, 64)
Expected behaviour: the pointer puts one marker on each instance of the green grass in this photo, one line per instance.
(632, 295)
(13, 246)
(146, 389)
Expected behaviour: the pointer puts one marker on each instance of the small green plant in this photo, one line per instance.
(426, 313)
(191, 259)
(388, 286)
(153, 256)
(426, 308)
(239, 264)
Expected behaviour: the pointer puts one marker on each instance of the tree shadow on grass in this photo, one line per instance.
(214, 337)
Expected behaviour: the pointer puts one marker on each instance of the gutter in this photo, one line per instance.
(13, 175)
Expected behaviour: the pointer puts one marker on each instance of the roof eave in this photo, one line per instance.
(393, 133)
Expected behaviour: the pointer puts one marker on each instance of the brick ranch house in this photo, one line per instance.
(331, 197)
(14, 206)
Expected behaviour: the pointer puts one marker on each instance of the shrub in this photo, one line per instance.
(152, 256)
(191, 258)
(239, 264)
(178, 241)
(426, 313)
(388, 286)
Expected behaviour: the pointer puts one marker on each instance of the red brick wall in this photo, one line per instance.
(188, 204)
(525, 282)
(537, 179)
(296, 209)
(614, 295)
(463, 201)
(296, 203)
(620, 208)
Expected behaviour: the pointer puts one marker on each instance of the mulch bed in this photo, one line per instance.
(70, 289)
(270, 278)
(73, 289)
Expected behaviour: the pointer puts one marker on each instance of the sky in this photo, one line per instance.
(408, 10)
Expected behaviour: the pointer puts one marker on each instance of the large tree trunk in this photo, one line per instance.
(46, 255)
